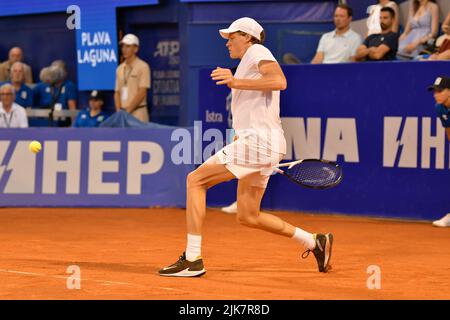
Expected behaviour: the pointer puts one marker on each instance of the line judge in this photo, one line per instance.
(132, 80)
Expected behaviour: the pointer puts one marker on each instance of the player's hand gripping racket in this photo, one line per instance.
(312, 173)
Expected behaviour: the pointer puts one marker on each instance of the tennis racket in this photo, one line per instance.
(312, 173)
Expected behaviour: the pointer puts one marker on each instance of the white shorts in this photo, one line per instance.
(246, 159)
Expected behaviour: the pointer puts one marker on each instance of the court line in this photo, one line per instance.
(123, 283)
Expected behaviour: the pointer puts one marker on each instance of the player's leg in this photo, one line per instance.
(198, 182)
(190, 264)
(249, 201)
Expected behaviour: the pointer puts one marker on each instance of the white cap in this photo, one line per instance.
(130, 39)
(247, 25)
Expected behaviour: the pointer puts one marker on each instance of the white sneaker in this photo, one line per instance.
(443, 222)
(232, 208)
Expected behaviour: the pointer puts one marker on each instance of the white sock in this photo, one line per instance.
(305, 238)
(194, 247)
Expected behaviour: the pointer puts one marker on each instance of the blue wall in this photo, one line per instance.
(392, 161)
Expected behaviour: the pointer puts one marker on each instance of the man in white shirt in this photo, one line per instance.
(258, 146)
(340, 44)
(12, 115)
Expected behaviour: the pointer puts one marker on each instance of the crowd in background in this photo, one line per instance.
(56, 92)
(422, 39)
(385, 39)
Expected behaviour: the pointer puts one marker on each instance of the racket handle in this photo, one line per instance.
(278, 170)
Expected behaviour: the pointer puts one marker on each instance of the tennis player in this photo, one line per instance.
(441, 93)
(258, 146)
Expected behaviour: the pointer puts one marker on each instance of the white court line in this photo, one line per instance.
(122, 283)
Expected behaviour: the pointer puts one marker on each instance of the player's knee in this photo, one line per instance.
(192, 180)
(247, 220)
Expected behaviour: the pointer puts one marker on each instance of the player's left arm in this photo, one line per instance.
(272, 78)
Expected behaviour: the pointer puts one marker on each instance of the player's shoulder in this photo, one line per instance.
(258, 48)
(258, 51)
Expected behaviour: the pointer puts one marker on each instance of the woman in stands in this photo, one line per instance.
(422, 25)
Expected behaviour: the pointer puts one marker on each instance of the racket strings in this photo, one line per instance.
(315, 174)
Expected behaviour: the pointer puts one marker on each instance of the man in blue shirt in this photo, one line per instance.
(441, 88)
(93, 116)
(24, 94)
(56, 89)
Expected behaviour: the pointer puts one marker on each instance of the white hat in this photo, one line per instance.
(247, 25)
(130, 39)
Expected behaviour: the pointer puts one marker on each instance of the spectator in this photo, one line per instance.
(443, 42)
(15, 55)
(339, 45)
(422, 25)
(24, 94)
(55, 90)
(373, 21)
(381, 46)
(441, 90)
(12, 115)
(92, 116)
(132, 80)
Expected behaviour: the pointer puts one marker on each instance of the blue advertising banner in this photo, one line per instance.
(97, 167)
(376, 119)
(96, 36)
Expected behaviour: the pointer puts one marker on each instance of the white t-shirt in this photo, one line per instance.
(15, 118)
(339, 48)
(256, 114)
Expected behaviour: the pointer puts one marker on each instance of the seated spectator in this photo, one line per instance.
(443, 42)
(373, 21)
(339, 45)
(55, 90)
(15, 55)
(92, 116)
(24, 94)
(12, 115)
(422, 25)
(381, 46)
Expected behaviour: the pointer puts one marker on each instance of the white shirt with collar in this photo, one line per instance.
(15, 118)
(339, 48)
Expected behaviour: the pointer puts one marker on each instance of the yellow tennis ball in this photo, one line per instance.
(35, 146)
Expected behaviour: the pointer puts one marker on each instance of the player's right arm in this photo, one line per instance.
(272, 78)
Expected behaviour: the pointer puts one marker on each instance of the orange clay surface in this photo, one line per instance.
(119, 252)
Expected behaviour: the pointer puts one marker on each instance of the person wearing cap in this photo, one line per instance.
(92, 116)
(441, 93)
(132, 80)
(259, 145)
(339, 45)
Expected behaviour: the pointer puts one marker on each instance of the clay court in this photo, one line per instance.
(119, 252)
